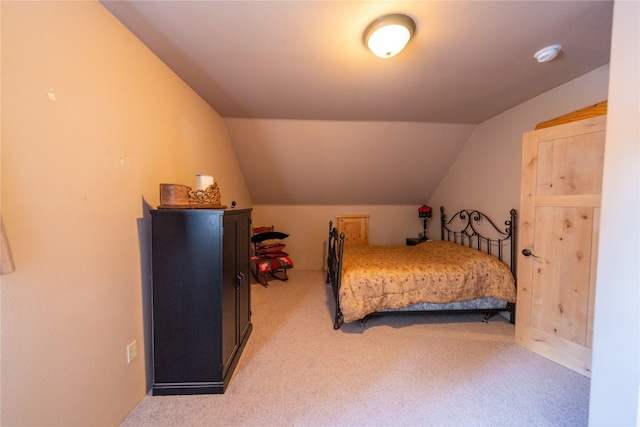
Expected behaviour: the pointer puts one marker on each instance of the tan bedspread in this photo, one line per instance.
(375, 278)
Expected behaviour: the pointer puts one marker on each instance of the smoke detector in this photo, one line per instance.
(548, 53)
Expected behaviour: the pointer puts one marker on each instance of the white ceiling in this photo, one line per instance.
(355, 128)
(468, 61)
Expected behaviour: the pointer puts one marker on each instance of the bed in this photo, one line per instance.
(472, 268)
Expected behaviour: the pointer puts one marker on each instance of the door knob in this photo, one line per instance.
(527, 252)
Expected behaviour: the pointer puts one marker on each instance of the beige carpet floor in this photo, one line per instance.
(400, 370)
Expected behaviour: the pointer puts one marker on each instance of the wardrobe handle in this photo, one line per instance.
(527, 252)
(240, 280)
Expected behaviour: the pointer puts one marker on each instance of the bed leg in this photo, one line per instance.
(338, 320)
(363, 321)
(487, 315)
(512, 313)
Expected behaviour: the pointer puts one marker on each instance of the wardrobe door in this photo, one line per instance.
(559, 223)
(244, 292)
(186, 254)
(230, 285)
(236, 288)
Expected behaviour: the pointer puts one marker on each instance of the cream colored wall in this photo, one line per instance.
(92, 122)
(486, 173)
(344, 162)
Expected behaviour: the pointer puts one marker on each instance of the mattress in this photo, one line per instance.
(427, 275)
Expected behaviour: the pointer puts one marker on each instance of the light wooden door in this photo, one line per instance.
(558, 242)
(355, 229)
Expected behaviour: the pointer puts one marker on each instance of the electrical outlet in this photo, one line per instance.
(132, 351)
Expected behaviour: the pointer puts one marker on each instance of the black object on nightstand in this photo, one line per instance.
(412, 241)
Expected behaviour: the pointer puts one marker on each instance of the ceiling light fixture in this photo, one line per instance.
(548, 53)
(389, 34)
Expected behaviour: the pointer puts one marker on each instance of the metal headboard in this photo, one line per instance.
(467, 224)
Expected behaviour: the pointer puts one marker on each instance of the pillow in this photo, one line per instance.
(270, 250)
(268, 235)
(272, 255)
(269, 243)
(264, 265)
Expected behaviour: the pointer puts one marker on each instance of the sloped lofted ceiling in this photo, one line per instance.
(305, 61)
